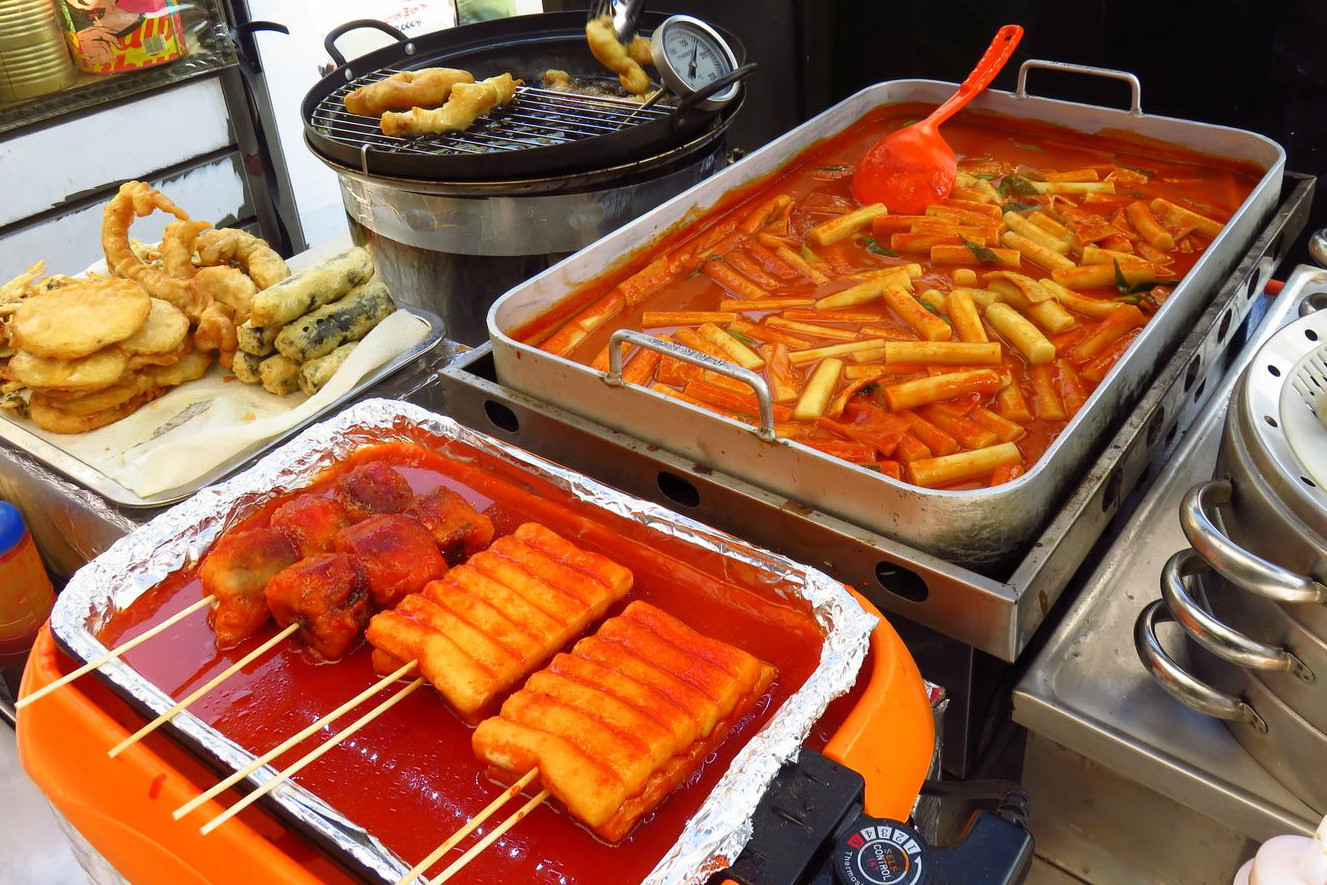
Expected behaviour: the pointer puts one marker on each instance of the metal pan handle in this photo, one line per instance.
(329, 42)
(1214, 634)
(1180, 683)
(1135, 88)
(715, 88)
(1233, 562)
(764, 402)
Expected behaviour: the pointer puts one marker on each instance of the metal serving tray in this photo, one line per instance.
(994, 610)
(91, 478)
(978, 528)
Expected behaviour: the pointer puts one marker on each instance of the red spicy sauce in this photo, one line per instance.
(410, 777)
(819, 182)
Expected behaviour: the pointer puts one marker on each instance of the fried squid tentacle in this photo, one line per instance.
(177, 247)
(259, 260)
(137, 199)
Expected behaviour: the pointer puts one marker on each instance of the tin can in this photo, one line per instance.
(114, 36)
(26, 595)
(33, 57)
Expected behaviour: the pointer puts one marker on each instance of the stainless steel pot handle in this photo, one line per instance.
(1180, 683)
(1233, 562)
(1211, 632)
(1135, 88)
(764, 402)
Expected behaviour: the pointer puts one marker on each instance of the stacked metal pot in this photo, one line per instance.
(1252, 591)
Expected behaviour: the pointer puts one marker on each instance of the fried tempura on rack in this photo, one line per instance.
(236, 572)
(490, 622)
(628, 716)
(425, 88)
(397, 554)
(373, 488)
(468, 102)
(613, 55)
(457, 528)
(328, 596)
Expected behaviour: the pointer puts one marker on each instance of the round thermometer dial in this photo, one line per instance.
(689, 56)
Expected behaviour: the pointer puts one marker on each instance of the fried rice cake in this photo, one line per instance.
(491, 621)
(624, 718)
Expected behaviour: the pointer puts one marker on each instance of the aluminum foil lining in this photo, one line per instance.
(178, 538)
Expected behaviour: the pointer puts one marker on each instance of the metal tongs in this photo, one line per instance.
(625, 13)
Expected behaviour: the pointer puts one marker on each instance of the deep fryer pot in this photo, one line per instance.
(451, 232)
(455, 248)
(525, 46)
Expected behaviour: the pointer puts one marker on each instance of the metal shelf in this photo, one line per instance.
(210, 50)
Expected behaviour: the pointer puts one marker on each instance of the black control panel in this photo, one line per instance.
(809, 829)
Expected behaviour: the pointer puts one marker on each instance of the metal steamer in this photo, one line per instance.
(1251, 592)
(983, 529)
(457, 219)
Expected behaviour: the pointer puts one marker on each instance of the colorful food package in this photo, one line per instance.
(114, 36)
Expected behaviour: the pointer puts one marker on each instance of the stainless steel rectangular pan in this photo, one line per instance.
(978, 528)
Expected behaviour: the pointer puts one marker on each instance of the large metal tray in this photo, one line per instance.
(93, 479)
(994, 610)
(979, 528)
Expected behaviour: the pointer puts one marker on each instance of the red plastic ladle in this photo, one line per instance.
(914, 167)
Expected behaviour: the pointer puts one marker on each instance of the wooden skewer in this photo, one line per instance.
(488, 840)
(292, 741)
(202, 690)
(503, 798)
(102, 660)
(312, 756)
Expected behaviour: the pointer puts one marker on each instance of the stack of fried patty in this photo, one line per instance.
(93, 351)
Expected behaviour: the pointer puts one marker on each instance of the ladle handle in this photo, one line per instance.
(1001, 48)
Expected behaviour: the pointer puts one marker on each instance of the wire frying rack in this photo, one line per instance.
(535, 117)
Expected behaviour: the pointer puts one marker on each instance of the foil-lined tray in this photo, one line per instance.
(178, 538)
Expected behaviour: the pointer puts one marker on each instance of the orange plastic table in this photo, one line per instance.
(123, 806)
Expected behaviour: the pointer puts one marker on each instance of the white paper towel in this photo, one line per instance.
(199, 425)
